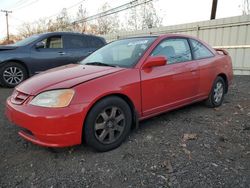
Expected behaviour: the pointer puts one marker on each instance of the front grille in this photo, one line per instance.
(18, 97)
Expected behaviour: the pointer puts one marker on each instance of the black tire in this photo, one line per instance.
(93, 136)
(21, 74)
(212, 101)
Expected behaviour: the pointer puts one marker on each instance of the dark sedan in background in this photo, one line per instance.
(43, 51)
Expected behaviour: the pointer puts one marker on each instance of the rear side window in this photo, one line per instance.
(95, 42)
(199, 50)
(175, 50)
(74, 42)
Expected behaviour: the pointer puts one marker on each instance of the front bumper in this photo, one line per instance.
(50, 127)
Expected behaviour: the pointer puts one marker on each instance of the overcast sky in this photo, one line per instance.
(172, 11)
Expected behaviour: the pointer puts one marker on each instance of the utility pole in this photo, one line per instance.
(214, 8)
(7, 22)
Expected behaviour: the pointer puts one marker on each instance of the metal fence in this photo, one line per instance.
(232, 34)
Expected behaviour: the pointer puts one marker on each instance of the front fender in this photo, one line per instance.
(126, 83)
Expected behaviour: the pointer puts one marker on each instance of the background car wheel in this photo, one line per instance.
(12, 74)
(108, 124)
(216, 95)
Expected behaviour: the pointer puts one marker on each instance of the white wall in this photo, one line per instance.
(232, 34)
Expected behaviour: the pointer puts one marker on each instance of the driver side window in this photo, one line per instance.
(175, 50)
(53, 42)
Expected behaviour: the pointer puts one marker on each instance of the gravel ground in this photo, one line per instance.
(191, 147)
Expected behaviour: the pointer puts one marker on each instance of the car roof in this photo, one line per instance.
(69, 33)
(162, 36)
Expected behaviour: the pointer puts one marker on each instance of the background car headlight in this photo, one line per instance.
(54, 98)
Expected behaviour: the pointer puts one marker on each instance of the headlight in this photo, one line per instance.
(54, 98)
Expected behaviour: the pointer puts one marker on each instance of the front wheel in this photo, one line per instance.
(108, 124)
(216, 95)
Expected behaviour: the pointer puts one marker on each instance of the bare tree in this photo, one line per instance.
(107, 24)
(150, 18)
(26, 30)
(62, 22)
(40, 26)
(92, 28)
(133, 19)
(143, 17)
(245, 7)
(81, 15)
(51, 26)
(12, 39)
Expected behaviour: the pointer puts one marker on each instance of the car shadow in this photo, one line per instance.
(144, 125)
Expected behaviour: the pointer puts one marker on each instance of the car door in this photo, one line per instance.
(174, 84)
(77, 47)
(51, 55)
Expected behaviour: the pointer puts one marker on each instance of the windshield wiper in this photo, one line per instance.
(100, 64)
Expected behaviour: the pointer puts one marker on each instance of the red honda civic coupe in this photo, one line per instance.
(102, 97)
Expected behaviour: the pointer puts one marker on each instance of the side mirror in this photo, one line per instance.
(155, 62)
(40, 45)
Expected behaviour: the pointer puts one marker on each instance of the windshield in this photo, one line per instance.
(26, 41)
(122, 53)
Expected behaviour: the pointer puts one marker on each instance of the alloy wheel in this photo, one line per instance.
(109, 125)
(218, 92)
(13, 75)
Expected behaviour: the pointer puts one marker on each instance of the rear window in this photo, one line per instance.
(95, 42)
(74, 42)
(200, 51)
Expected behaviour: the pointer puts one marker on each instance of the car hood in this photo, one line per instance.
(3, 47)
(64, 77)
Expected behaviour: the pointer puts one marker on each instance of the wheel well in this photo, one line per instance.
(222, 75)
(132, 108)
(21, 63)
(128, 101)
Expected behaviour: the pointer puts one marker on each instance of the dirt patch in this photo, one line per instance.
(194, 146)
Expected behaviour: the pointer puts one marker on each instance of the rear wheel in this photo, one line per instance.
(12, 74)
(108, 124)
(216, 95)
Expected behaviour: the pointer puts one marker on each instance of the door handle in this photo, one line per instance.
(193, 71)
(90, 52)
(61, 53)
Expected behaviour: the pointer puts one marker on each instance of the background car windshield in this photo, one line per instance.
(122, 53)
(26, 41)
